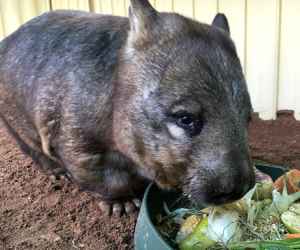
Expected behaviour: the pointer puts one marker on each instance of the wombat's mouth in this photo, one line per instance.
(213, 197)
(207, 200)
(222, 199)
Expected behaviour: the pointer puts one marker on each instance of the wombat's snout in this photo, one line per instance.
(231, 192)
(227, 179)
(231, 186)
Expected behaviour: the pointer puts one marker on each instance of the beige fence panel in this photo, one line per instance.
(262, 55)
(185, 8)
(153, 2)
(127, 3)
(11, 15)
(205, 10)
(103, 6)
(96, 6)
(32, 8)
(164, 5)
(70, 4)
(119, 7)
(265, 33)
(115, 7)
(289, 78)
(235, 11)
(16, 12)
(1, 27)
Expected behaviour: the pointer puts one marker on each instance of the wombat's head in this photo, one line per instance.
(183, 106)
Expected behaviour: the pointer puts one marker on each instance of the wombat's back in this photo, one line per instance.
(59, 42)
(60, 62)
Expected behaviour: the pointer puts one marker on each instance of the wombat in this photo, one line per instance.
(114, 102)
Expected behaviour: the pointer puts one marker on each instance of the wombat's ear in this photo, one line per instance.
(221, 22)
(142, 16)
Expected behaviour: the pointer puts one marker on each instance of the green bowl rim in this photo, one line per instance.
(145, 207)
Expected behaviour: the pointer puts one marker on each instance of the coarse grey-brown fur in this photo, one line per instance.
(98, 96)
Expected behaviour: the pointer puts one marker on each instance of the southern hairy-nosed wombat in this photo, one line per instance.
(113, 102)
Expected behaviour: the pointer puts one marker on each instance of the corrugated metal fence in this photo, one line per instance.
(266, 32)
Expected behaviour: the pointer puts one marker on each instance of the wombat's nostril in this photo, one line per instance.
(226, 197)
(243, 189)
(229, 195)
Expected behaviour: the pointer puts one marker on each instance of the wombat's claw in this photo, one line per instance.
(59, 175)
(116, 209)
(137, 202)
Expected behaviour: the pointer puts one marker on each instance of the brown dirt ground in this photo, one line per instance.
(38, 214)
(276, 141)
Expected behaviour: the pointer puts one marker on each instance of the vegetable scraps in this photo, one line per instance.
(264, 218)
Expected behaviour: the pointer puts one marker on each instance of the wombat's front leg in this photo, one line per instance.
(110, 176)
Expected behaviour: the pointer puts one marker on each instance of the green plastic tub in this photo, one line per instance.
(146, 236)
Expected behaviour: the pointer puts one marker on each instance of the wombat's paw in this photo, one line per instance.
(119, 208)
(59, 174)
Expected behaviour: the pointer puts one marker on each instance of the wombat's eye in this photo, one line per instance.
(189, 122)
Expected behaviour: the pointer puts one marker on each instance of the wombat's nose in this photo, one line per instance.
(220, 198)
(234, 190)
(238, 180)
(229, 196)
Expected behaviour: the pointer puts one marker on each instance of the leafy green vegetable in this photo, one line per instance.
(223, 226)
(267, 245)
(263, 191)
(282, 201)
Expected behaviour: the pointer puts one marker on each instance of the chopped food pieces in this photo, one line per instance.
(292, 179)
(198, 239)
(291, 218)
(267, 216)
